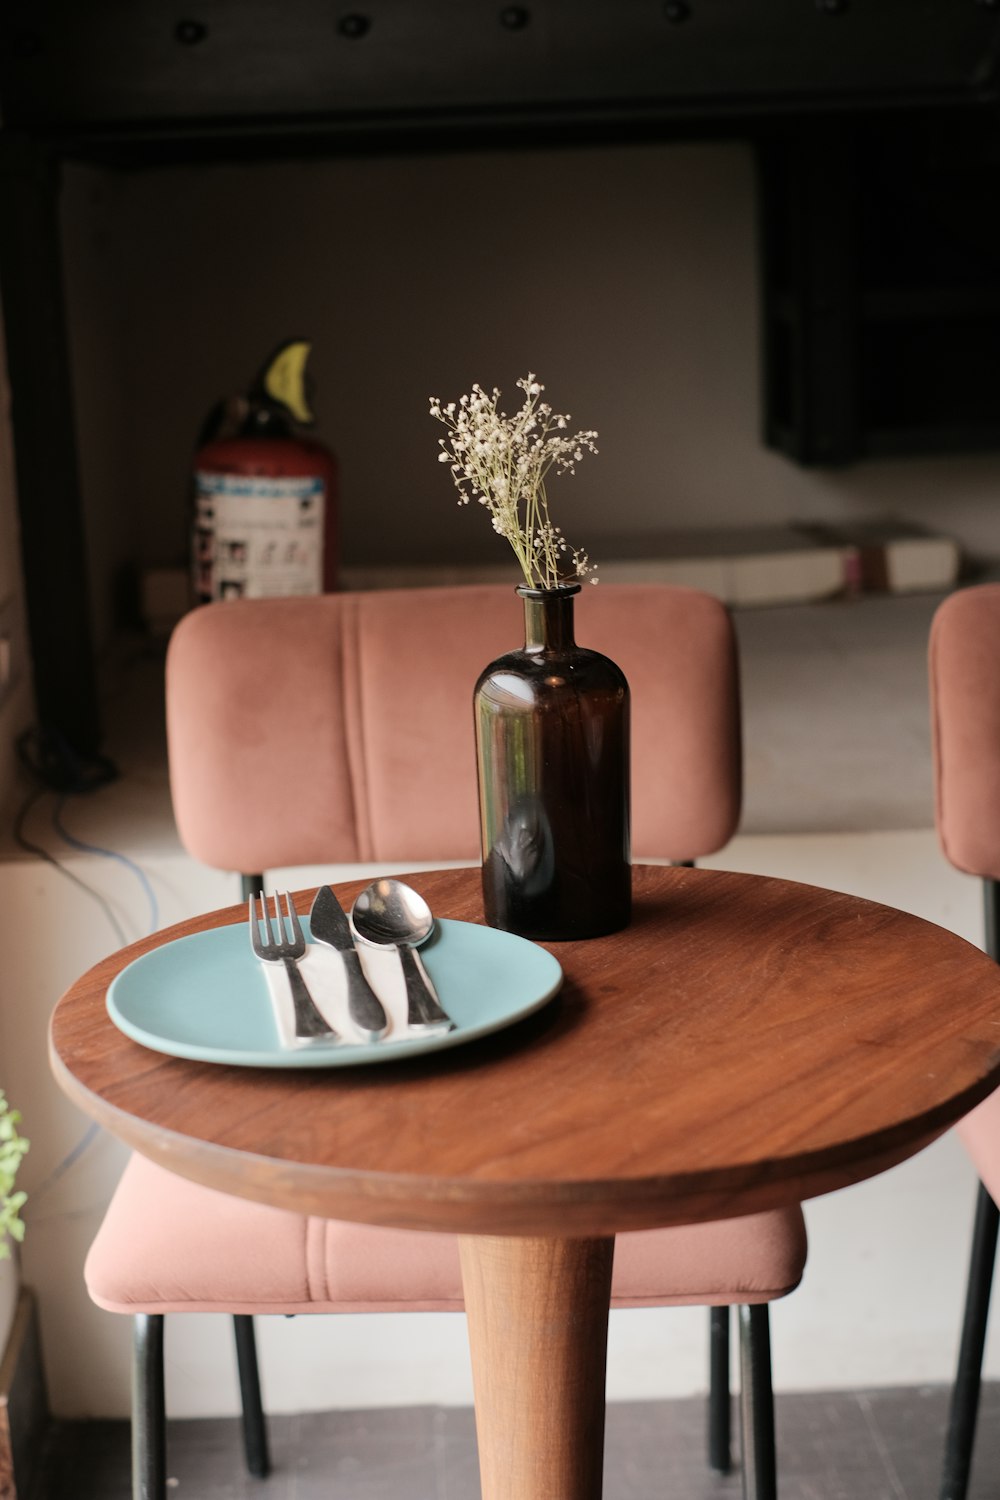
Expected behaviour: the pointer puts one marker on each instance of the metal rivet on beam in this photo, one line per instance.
(354, 26)
(190, 33)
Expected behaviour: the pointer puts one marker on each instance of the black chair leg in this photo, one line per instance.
(254, 1426)
(760, 1474)
(965, 1393)
(719, 1404)
(149, 1456)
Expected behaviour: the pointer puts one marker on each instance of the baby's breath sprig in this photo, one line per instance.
(502, 462)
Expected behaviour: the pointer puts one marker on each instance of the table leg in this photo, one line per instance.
(538, 1332)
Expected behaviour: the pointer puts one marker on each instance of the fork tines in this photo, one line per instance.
(275, 940)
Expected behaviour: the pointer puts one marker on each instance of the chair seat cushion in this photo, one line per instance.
(168, 1245)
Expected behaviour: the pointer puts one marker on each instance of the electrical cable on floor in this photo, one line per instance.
(63, 773)
(30, 847)
(123, 859)
(23, 842)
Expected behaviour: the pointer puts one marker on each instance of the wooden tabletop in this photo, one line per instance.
(745, 1043)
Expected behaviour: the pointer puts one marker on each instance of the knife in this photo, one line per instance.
(329, 925)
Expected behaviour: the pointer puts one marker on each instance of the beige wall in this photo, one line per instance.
(625, 277)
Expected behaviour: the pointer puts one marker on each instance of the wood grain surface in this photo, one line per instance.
(538, 1335)
(745, 1042)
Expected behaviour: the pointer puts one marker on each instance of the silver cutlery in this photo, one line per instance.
(328, 924)
(286, 946)
(390, 914)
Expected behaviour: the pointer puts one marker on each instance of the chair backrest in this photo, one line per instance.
(964, 665)
(338, 728)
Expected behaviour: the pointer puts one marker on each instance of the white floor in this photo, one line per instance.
(835, 718)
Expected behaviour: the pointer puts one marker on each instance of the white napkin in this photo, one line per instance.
(323, 971)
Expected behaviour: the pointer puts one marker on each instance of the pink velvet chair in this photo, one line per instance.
(965, 717)
(369, 708)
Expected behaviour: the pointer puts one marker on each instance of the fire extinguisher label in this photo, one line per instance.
(257, 537)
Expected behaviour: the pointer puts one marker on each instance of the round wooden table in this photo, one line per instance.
(745, 1043)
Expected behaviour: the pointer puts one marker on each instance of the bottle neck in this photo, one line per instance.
(548, 617)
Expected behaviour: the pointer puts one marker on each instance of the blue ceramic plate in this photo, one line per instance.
(205, 997)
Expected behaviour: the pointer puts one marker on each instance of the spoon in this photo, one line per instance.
(390, 914)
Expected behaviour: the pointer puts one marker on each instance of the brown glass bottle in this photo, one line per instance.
(552, 747)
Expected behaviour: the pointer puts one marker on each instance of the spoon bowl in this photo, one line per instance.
(391, 914)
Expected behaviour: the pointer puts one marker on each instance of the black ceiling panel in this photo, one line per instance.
(108, 67)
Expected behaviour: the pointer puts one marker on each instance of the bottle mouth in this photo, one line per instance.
(567, 590)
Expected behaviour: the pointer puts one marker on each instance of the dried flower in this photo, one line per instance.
(502, 462)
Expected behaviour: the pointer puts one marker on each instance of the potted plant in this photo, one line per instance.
(12, 1149)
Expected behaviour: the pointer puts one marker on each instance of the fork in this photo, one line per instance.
(310, 1026)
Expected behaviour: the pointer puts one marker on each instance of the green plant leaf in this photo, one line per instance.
(12, 1151)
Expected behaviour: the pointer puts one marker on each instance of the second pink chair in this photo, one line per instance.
(965, 718)
(338, 729)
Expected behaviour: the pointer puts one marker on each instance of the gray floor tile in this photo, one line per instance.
(655, 1449)
(874, 1445)
(912, 1427)
(909, 1428)
(458, 1456)
(377, 1455)
(829, 1449)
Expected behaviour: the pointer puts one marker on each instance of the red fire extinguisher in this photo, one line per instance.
(265, 496)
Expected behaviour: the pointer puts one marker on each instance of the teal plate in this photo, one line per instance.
(192, 997)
